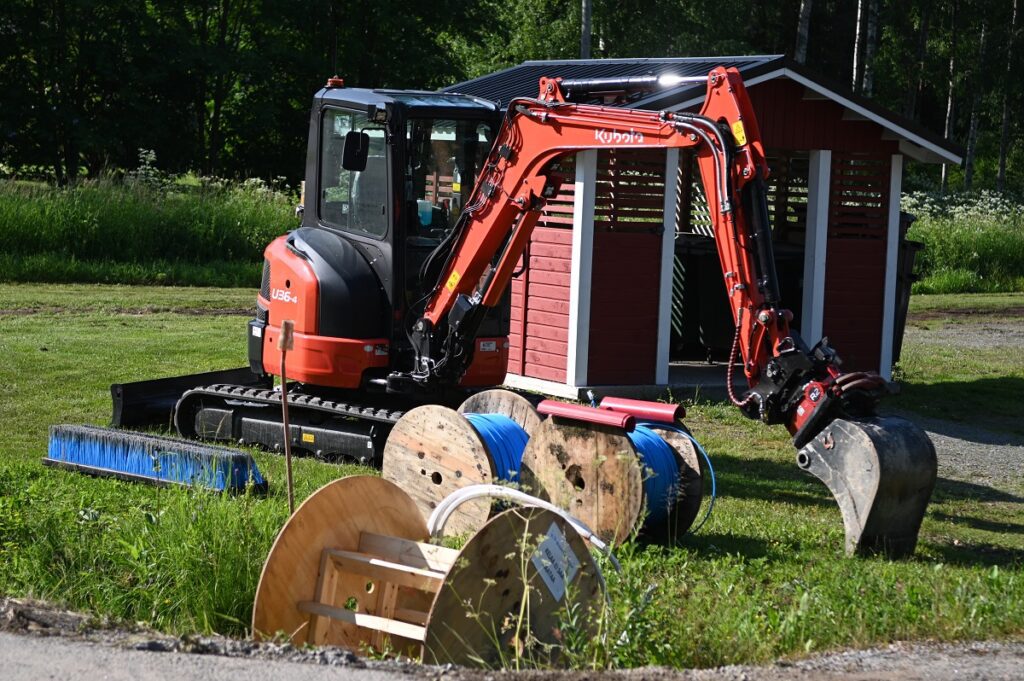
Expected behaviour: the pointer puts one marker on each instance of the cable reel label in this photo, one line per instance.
(556, 562)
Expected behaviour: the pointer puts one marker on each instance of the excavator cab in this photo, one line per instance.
(387, 175)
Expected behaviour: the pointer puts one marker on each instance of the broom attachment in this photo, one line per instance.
(151, 458)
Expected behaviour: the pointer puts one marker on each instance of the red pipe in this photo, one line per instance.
(642, 409)
(578, 412)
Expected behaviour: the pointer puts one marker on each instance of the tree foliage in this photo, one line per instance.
(223, 86)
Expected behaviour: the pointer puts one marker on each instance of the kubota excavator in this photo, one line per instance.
(397, 282)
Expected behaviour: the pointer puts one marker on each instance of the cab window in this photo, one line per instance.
(356, 201)
(444, 158)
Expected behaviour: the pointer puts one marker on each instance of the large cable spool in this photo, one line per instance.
(433, 451)
(352, 568)
(610, 473)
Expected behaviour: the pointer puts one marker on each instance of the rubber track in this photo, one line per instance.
(237, 393)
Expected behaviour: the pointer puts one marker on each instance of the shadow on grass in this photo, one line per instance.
(958, 490)
(750, 548)
(988, 411)
(766, 480)
(980, 523)
(973, 554)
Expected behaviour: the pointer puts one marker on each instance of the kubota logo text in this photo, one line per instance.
(619, 137)
(283, 296)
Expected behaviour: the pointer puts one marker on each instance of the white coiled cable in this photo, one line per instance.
(444, 510)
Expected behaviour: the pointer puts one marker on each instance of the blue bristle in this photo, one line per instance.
(153, 457)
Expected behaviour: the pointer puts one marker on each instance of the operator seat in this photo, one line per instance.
(370, 196)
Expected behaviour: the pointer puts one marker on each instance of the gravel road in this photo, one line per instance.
(26, 657)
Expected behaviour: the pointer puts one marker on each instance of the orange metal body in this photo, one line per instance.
(340, 362)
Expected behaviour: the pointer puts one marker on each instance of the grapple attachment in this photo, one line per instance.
(881, 471)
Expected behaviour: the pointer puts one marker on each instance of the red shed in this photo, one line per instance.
(621, 278)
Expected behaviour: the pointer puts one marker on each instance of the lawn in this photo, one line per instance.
(766, 577)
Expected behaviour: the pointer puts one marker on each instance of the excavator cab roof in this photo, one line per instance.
(423, 102)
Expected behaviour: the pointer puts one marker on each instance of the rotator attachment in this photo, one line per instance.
(881, 472)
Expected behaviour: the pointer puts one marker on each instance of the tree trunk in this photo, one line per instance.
(870, 48)
(1004, 128)
(858, 38)
(585, 30)
(972, 132)
(910, 104)
(950, 99)
(803, 28)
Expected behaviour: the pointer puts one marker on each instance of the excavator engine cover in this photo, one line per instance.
(881, 471)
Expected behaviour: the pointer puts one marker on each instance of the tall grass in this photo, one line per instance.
(210, 233)
(974, 243)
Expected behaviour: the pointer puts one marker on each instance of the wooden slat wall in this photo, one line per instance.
(540, 329)
(628, 224)
(855, 275)
(789, 121)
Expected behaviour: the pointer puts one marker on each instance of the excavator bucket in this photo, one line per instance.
(881, 471)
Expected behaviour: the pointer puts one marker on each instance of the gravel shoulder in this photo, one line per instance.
(39, 641)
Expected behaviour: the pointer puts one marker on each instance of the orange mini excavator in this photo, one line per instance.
(419, 207)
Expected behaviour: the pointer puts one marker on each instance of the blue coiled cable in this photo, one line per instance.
(662, 475)
(505, 440)
(707, 460)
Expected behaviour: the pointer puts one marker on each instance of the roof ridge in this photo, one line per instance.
(643, 60)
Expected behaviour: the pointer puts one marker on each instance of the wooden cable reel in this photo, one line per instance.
(432, 451)
(595, 472)
(351, 567)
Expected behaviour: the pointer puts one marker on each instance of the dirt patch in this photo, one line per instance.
(135, 311)
(983, 333)
(1012, 311)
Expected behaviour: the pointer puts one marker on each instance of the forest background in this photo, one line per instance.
(222, 87)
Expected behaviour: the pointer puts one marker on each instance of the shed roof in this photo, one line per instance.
(521, 81)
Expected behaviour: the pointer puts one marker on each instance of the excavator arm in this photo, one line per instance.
(881, 470)
(517, 180)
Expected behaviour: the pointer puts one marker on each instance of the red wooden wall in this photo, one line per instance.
(539, 332)
(855, 259)
(629, 214)
(858, 211)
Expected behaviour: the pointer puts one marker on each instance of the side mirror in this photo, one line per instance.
(357, 148)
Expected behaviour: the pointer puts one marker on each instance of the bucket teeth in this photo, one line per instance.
(881, 472)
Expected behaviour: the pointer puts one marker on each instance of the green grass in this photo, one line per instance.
(974, 243)
(943, 376)
(766, 577)
(138, 233)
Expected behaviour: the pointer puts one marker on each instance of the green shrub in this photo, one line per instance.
(973, 242)
(148, 229)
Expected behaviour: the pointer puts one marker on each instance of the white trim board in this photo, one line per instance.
(668, 253)
(892, 247)
(916, 149)
(580, 275)
(819, 177)
(539, 385)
